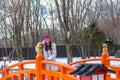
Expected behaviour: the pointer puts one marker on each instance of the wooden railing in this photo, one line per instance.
(19, 73)
(104, 59)
(39, 72)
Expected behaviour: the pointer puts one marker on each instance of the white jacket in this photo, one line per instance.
(49, 55)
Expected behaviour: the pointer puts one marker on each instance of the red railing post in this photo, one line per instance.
(30, 76)
(117, 75)
(6, 73)
(21, 67)
(39, 58)
(105, 55)
(104, 59)
(63, 71)
(14, 78)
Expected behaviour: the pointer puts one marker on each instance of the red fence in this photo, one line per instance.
(40, 73)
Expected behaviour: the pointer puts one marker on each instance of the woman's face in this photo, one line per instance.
(47, 41)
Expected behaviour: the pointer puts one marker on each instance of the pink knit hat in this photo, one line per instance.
(46, 36)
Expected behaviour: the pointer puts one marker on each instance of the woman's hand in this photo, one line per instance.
(42, 43)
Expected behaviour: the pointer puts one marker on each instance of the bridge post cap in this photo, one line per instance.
(105, 45)
(39, 46)
(105, 48)
(39, 50)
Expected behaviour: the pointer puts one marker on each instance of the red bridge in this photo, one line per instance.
(40, 73)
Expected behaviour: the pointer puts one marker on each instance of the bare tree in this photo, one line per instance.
(110, 19)
(23, 22)
(72, 17)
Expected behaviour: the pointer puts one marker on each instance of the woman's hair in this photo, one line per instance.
(48, 47)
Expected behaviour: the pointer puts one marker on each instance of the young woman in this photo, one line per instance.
(49, 51)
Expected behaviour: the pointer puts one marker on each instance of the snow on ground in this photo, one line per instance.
(60, 60)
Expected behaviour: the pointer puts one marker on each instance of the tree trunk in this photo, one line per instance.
(69, 53)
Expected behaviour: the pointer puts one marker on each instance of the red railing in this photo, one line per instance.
(40, 73)
(19, 73)
(104, 59)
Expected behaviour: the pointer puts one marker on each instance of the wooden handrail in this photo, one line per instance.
(85, 60)
(64, 69)
(40, 71)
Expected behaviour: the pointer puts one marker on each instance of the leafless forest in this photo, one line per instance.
(24, 22)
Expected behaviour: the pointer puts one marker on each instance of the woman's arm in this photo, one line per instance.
(39, 43)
